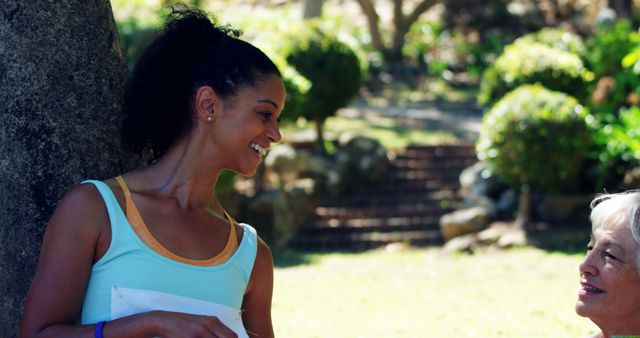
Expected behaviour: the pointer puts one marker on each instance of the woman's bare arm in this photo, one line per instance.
(256, 305)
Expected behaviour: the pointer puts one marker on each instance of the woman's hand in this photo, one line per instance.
(183, 325)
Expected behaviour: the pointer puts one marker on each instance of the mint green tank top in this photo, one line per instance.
(132, 278)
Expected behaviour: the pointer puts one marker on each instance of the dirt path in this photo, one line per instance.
(461, 119)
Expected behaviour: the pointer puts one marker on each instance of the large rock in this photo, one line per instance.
(362, 159)
(464, 221)
(478, 180)
(61, 79)
(564, 208)
(277, 213)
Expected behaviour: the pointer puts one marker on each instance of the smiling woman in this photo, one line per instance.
(609, 273)
(152, 252)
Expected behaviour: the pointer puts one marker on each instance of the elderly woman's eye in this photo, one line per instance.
(609, 255)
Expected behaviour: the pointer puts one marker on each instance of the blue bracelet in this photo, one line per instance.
(99, 326)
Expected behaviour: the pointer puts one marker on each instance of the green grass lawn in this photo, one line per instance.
(428, 293)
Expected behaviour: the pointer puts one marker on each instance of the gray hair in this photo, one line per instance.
(621, 207)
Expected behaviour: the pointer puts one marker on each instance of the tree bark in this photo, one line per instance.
(392, 52)
(62, 75)
(312, 9)
(319, 123)
(524, 210)
(373, 21)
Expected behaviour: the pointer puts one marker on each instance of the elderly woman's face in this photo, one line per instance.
(609, 275)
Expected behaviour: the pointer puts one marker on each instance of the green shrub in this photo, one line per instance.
(528, 61)
(613, 56)
(610, 44)
(535, 138)
(556, 38)
(332, 68)
(620, 139)
(296, 87)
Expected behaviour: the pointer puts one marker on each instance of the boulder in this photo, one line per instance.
(465, 243)
(514, 238)
(464, 221)
(564, 208)
(480, 181)
(362, 159)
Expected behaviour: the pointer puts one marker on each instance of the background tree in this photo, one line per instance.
(62, 77)
(333, 71)
(392, 50)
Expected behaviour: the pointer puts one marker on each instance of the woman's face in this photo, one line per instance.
(609, 278)
(247, 124)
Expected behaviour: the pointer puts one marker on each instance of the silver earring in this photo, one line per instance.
(209, 118)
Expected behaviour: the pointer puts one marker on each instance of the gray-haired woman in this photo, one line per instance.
(609, 274)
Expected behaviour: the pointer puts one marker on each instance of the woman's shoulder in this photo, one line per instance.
(79, 221)
(81, 205)
(80, 196)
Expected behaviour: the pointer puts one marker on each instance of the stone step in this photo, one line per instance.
(429, 185)
(364, 241)
(441, 164)
(327, 212)
(390, 199)
(383, 225)
(452, 151)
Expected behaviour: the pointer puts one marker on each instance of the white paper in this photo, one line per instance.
(127, 301)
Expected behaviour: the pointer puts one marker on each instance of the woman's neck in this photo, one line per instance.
(182, 173)
(629, 327)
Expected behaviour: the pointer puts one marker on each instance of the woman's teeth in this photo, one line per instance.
(262, 151)
(592, 289)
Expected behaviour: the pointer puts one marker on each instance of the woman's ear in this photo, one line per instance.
(205, 103)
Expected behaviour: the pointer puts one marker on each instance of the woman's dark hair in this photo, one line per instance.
(192, 51)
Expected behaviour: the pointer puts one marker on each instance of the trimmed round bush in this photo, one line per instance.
(331, 67)
(536, 139)
(528, 61)
(556, 38)
(296, 87)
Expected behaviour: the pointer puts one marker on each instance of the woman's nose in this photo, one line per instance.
(274, 134)
(587, 266)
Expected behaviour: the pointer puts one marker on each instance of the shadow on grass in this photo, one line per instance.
(295, 257)
(290, 258)
(569, 239)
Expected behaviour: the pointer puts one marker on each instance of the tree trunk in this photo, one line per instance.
(319, 135)
(373, 22)
(392, 52)
(62, 74)
(623, 8)
(312, 9)
(524, 210)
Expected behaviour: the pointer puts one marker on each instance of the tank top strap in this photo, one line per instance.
(116, 215)
(248, 250)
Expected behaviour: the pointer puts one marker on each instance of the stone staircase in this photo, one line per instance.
(405, 206)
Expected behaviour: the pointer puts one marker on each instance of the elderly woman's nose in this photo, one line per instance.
(587, 266)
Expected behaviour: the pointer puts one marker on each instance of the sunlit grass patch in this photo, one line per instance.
(428, 293)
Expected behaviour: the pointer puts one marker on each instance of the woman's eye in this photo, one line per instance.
(266, 115)
(609, 255)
